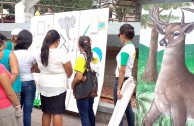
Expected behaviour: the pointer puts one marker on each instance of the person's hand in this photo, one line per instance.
(18, 111)
(73, 86)
(84, 78)
(119, 95)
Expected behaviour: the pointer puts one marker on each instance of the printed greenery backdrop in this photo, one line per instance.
(145, 91)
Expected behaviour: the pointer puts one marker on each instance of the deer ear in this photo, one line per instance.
(160, 28)
(188, 27)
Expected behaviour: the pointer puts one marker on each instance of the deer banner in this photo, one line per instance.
(165, 90)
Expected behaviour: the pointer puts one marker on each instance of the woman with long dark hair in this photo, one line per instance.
(26, 62)
(55, 69)
(85, 106)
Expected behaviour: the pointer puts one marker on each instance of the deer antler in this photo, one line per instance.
(183, 18)
(153, 13)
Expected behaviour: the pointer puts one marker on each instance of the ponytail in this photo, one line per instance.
(84, 42)
(51, 37)
(45, 52)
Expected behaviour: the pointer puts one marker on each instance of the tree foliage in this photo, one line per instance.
(145, 21)
(68, 3)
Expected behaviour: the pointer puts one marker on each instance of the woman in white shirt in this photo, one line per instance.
(125, 60)
(26, 61)
(55, 69)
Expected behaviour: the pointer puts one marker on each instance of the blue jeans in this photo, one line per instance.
(27, 99)
(85, 108)
(129, 112)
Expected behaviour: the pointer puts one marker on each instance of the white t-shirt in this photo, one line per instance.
(126, 57)
(25, 61)
(53, 79)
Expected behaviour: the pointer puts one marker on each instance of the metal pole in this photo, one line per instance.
(99, 3)
(2, 12)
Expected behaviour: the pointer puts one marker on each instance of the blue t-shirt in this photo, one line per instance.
(5, 61)
(9, 45)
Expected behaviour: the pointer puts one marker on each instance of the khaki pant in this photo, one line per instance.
(7, 117)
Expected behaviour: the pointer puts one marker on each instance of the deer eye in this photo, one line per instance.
(176, 33)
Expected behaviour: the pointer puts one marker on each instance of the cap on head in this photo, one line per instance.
(16, 31)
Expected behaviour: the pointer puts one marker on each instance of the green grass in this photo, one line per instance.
(145, 91)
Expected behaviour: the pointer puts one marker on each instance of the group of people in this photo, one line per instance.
(17, 85)
(38, 11)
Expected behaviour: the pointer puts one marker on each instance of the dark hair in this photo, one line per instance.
(24, 40)
(1, 42)
(50, 8)
(51, 37)
(2, 37)
(84, 42)
(128, 30)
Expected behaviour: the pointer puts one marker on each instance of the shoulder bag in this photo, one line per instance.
(88, 87)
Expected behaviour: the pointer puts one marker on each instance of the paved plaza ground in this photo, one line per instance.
(68, 119)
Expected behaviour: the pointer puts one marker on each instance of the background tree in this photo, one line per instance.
(151, 73)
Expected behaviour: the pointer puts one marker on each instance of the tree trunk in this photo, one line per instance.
(151, 74)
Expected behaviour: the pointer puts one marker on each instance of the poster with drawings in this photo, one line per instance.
(95, 25)
(70, 26)
(39, 27)
(67, 24)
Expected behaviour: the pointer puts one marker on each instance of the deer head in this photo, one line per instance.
(174, 33)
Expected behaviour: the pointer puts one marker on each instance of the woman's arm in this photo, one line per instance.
(5, 81)
(78, 77)
(35, 69)
(68, 69)
(121, 79)
(13, 62)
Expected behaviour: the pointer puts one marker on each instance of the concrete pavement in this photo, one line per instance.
(68, 119)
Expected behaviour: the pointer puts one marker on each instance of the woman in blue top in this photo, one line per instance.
(9, 44)
(10, 61)
(125, 60)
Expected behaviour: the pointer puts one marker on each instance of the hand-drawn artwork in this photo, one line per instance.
(174, 91)
(94, 25)
(62, 40)
(86, 30)
(97, 54)
(98, 51)
(67, 23)
(40, 28)
(101, 25)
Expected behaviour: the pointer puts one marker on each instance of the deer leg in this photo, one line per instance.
(152, 115)
(179, 114)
